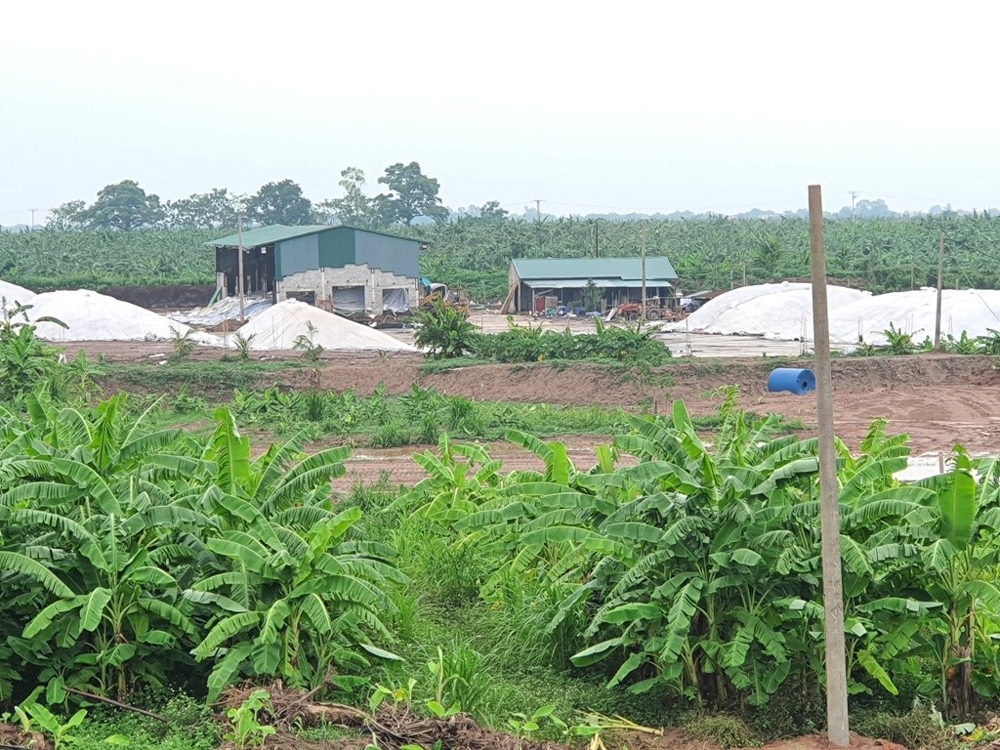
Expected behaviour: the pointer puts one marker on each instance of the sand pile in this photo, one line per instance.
(280, 326)
(775, 311)
(96, 317)
(14, 294)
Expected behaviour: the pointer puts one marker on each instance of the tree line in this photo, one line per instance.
(474, 246)
(408, 194)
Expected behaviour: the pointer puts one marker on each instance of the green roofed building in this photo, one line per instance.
(619, 280)
(339, 267)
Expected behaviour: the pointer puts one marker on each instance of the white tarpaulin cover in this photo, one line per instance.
(349, 298)
(395, 300)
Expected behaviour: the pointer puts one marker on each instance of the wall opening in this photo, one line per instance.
(348, 297)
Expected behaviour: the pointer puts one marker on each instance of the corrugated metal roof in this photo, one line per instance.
(586, 268)
(278, 232)
(266, 235)
(582, 282)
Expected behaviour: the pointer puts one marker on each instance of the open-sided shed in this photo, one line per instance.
(337, 267)
(618, 279)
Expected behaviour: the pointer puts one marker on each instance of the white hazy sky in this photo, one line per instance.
(663, 106)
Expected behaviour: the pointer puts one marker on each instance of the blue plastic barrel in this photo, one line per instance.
(799, 382)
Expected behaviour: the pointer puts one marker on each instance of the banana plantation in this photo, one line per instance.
(135, 557)
(880, 254)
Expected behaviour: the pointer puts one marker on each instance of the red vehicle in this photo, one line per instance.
(655, 310)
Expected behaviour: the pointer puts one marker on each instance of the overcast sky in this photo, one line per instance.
(661, 106)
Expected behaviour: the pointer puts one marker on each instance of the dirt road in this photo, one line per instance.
(940, 400)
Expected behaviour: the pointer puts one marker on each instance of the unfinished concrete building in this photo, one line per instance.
(342, 268)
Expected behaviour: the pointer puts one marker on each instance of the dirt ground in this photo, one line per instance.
(939, 400)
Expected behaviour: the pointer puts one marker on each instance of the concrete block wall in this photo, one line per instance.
(322, 281)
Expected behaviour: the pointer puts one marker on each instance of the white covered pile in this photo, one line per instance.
(775, 311)
(280, 326)
(784, 312)
(974, 311)
(12, 294)
(90, 316)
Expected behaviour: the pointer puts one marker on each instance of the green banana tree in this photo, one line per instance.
(289, 593)
(97, 533)
(295, 600)
(959, 554)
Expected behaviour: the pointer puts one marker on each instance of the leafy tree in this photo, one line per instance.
(280, 203)
(492, 210)
(411, 194)
(67, 216)
(593, 297)
(124, 206)
(212, 210)
(355, 208)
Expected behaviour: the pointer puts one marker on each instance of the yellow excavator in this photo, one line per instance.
(456, 298)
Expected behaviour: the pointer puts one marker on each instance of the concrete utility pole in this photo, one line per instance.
(833, 594)
(538, 209)
(32, 217)
(642, 307)
(597, 238)
(940, 286)
(854, 194)
(239, 251)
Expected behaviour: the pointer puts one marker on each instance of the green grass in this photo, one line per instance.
(191, 726)
(497, 660)
(212, 376)
(433, 366)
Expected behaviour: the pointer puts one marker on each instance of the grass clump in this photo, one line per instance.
(190, 725)
(722, 730)
(922, 727)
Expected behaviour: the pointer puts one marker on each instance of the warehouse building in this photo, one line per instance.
(341, 268)
(535, 281)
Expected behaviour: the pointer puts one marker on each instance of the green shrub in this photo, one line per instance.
(444, 332)
(608, 343)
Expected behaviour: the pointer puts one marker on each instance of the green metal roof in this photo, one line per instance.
(581, 282)
(278, 232)
(610, 269)
(266, 235)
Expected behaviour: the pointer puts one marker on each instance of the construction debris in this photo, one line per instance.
(393, 726)
(224, 310)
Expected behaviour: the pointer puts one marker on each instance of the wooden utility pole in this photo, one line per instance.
(239, 252)
(940, 286)
(833, 595)
(642, 307)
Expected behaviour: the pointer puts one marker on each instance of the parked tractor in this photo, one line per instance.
(455, 298)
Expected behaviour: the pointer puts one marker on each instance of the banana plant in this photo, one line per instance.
(290, 594)
(957, 535)
(102, 542)
(292, 601)
(677, 554)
